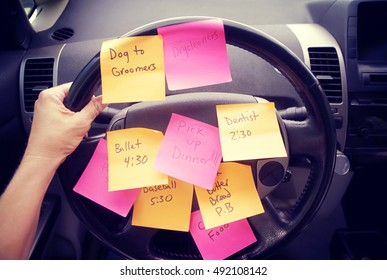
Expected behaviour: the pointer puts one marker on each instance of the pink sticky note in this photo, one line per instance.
(93, 184)
(220, 242)
(190, 151)
(195, 54)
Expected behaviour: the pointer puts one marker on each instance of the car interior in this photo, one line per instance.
(323, 63)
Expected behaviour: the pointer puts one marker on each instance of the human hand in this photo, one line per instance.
(57, 131)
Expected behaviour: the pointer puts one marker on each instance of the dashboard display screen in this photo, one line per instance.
(372, 31)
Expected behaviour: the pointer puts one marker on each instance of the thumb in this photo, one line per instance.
(92, 109)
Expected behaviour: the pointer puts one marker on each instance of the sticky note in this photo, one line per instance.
(195, 54)
(93, 184)
(164, 206)
(220, 242)
(132, 69)
(190, 151)
(131, 155)
(234, 196)
(249, 131)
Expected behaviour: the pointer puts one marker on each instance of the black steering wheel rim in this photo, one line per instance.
(277, 227)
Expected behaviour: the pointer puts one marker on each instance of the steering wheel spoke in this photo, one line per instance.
(305, 140)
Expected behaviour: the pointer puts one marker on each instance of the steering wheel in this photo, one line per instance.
(311, 141)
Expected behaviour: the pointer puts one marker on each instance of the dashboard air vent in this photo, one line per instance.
(324, 64)
(62, 34)
(38, 75)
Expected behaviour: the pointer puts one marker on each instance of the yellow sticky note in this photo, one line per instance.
(249, 131)
(131, 155)
(164, 206)
(132, 69)
(233, 197)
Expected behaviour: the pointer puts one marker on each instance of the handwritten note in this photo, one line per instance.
(233, 197)
(131, 155)
(132, 69)
(195, 54)
(220, 242)
(249, 131)
(164, 206)
(190, 151)
(93, 184)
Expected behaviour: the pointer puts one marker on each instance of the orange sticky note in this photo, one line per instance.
(249, 131)
(131, 155)
(132, 69)
(164, 206)
(233, 197)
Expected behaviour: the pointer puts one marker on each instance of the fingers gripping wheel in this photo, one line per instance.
(273, 228)
(85, 85)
